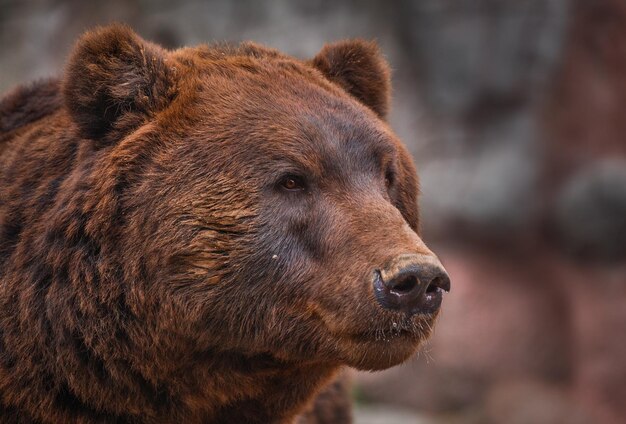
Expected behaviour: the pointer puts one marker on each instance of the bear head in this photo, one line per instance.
(261, 203)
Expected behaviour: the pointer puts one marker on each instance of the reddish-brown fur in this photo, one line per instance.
(152, 269)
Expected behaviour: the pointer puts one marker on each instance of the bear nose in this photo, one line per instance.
(411, 284)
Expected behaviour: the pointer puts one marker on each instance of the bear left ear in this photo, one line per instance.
(114, 80)
(360, 69)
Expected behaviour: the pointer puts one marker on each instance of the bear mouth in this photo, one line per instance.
(400, 328)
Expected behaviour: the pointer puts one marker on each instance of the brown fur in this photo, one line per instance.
(152, 267)
(27, 104)
(359, 68)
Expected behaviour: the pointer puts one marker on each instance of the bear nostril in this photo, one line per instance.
(441, 282)
(432, 287)
(404, 285)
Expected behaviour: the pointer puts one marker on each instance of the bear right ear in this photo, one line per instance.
(359, 68)
(114, 81)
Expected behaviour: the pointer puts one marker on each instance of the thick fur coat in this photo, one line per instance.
(189, 236)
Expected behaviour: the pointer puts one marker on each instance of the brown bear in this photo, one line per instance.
(205, 235)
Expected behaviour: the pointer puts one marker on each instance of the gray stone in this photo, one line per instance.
(591, 211)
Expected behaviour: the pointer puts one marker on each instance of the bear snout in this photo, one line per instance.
(412, 284)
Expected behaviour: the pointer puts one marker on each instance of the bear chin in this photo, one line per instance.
(378, 350)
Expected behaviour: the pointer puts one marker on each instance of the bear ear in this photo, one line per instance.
(360, 69)
(114, 80)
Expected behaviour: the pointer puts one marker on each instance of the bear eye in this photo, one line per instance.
(390, 177)
(292, 183)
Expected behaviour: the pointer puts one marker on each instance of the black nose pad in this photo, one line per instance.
(411, 284)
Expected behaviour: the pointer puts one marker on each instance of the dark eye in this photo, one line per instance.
(390, 178)
(292, 183)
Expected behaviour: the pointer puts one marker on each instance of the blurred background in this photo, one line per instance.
(515, 112)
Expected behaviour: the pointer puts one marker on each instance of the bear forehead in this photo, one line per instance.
(265, 98)
(252, 76)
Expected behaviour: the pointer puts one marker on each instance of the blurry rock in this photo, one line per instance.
(466, 50)
(591, 211)
(481, 69)
(380, 414)
(597, 295)
(532, 402)
(492, 193)
(423, 386)
(584, 117)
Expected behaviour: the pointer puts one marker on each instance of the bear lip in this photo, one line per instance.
(398, 326)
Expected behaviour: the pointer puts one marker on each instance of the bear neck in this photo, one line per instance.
(259, 389)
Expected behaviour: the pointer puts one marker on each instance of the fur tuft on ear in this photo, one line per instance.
(360, 69)
(114, 80)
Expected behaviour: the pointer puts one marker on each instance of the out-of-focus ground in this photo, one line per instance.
(515, 112)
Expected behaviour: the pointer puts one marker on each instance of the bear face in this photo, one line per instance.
(234, 220)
